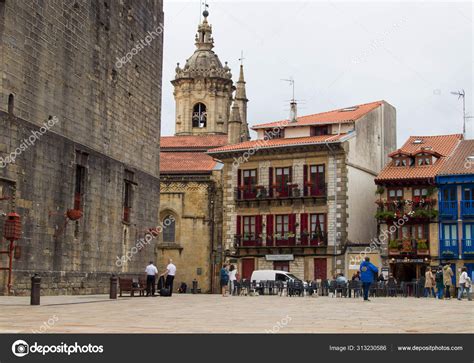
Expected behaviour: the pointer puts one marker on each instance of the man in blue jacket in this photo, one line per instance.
(367, 273)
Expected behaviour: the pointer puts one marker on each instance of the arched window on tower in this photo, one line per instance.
(169, 229)
(199, 115)
(11, 103)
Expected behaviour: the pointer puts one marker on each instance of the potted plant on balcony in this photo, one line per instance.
(394, 247)
(385, 215)
(261, 192)
(422, 247)
(295, 191)
(406, 245)
(380, 190)
(269, 240)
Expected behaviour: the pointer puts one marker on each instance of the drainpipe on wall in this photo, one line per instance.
(335, 202)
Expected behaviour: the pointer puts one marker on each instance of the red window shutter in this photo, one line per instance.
(305, 180)
(270, 182)
(238, 230)
(269, 229)
(292, 227)
(239, 183)
(290, 175)
(258, 227)
(292, 223)
(304, 228)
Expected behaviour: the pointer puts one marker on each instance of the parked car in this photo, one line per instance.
(274, 275)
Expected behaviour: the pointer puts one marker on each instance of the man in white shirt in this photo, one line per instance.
(170, 273)
(464, 284)
(151, 272)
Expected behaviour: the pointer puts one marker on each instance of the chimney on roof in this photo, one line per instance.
(293, 113)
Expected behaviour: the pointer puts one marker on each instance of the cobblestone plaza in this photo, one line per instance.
(189, 313)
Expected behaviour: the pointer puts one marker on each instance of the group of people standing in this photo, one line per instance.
(151, 274)
(228, 276)
(442, 278)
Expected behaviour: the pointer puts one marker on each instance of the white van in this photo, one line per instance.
(273, 275)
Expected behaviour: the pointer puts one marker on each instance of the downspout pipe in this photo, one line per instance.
(333, 153)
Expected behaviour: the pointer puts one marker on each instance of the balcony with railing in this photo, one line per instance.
(417, 209)
(276, 192)
(468, 248)
(448, 248)
(448, 209)
(467, 208)
(409, 247)
(278, 240)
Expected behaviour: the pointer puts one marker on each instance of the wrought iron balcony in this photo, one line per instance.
(412, 247)
(422, 209)
(289, 240)
(288, 192)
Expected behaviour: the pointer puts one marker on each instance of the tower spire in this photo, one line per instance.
(241, 99)
(204, 40)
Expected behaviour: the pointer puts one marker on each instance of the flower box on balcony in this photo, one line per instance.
(407, 246)
(447, 253)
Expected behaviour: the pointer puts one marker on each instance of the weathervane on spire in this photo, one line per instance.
(205, 13)
(241, 59)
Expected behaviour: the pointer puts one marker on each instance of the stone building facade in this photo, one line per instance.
(59, 61)
(295, 199)
(210, 112)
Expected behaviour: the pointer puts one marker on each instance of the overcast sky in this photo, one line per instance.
(340, 54)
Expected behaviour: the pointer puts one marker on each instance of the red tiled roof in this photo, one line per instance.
(186, 162)
(342, 115)
(458, 163)
(193, 142)
(275, 143)
(441, 144)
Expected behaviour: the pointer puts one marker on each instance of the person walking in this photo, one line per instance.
(232, 279)
(448, 280)
(367, 273)
(439, 282)
(170, 274)
(151, 272)
(464, 284)
(429, 282)
(224, 279)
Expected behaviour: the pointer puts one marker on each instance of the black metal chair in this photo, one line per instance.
(391, 288)
(279, 287)
(332, 288)
(341, 288)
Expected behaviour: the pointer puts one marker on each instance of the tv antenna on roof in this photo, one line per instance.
(293, 112)
(462, 94)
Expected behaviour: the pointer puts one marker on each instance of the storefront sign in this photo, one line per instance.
(408, 260)
(279, 257)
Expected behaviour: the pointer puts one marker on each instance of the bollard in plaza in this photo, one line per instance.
(113, 286)
(35, 289)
